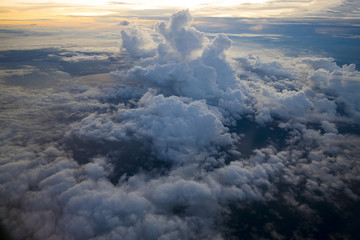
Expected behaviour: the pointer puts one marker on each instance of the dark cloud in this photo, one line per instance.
(124, 23)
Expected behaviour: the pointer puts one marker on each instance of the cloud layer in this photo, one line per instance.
(186, 144)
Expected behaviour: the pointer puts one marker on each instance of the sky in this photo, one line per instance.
(328, 28)
(65, 10)
(179, 119)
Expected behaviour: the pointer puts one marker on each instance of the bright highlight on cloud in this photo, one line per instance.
(187, 144)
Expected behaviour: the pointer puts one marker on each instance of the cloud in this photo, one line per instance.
(81, 57)
(137, 42)
(179, 129)
(256, 28)
(178, 33)
(288, 104)
(340, 82)
(17, 72)
(159, 153)
(124, 23)
(188, 64)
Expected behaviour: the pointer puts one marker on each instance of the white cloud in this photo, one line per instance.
(178, 33)
(82, 57)
(340, 82)
(17, 72)
(137, 42)
(177, 127)
(188, 64)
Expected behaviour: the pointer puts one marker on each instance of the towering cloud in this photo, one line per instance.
(137, 42)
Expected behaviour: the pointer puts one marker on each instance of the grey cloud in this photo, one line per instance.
(176, 127)
(17, 72)
(175, 70)
(178, 33)
(124, 23)
(137, 42)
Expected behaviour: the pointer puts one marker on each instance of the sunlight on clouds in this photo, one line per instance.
(137, 4)
(233, 3)
(74, 2)
(88, 13)
(191, 4)
(91, 10)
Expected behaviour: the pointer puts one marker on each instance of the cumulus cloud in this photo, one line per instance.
(179, 128)
(81, 57)
(124, 23)
(163, 156)
(137, 42)
(178, 33)
(174, 69)
(340, 82)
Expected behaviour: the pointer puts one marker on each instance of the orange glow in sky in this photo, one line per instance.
(71, 11)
